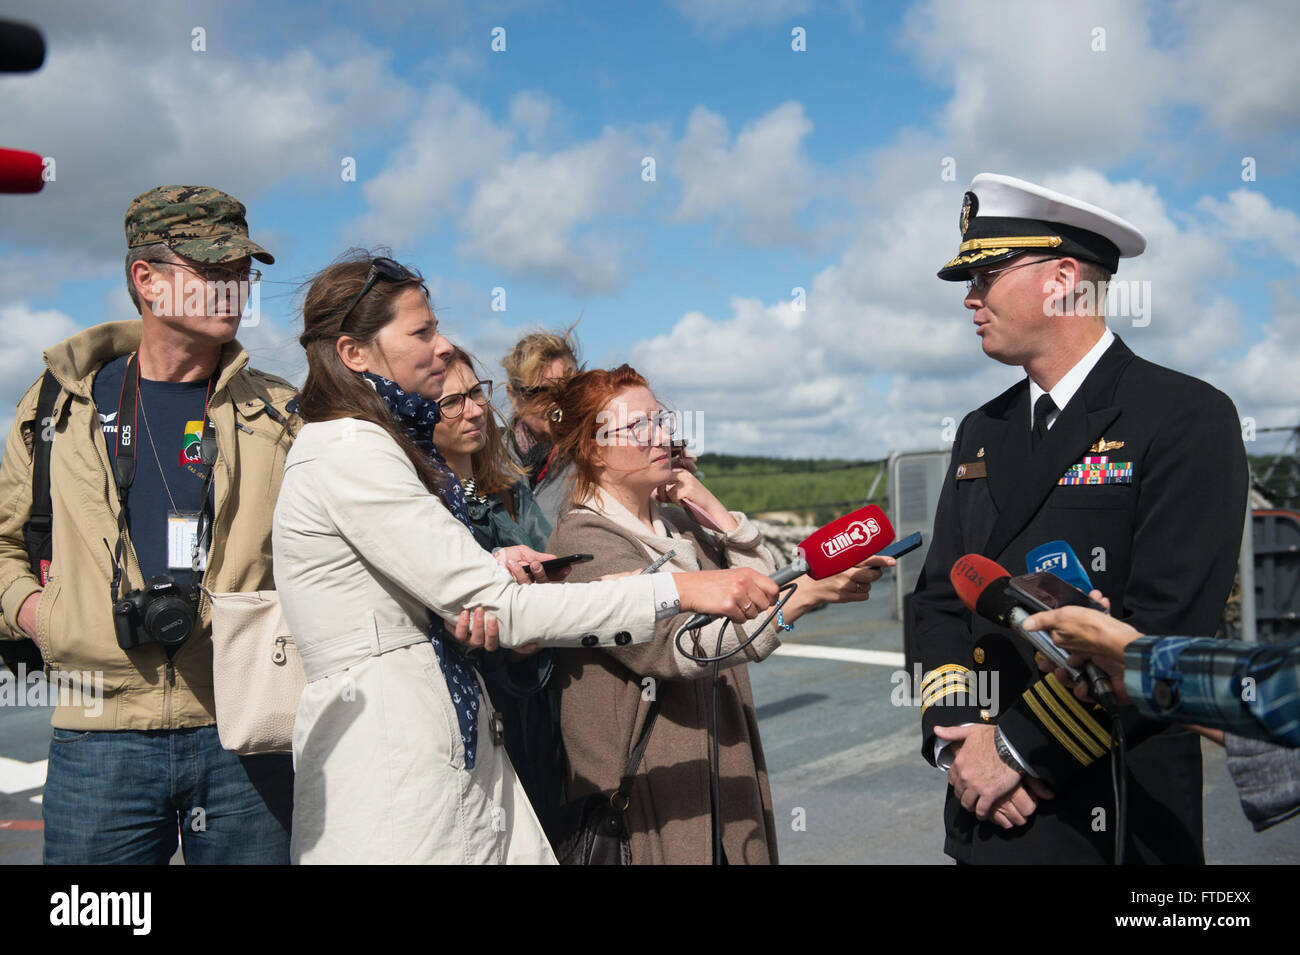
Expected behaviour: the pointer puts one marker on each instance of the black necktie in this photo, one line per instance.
(1042, 408)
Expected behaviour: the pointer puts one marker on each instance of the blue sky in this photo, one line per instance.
(775, 169)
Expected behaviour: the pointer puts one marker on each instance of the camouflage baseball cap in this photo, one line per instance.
(198, 222)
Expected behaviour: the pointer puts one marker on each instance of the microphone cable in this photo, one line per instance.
(715, 775)
(1119, 783)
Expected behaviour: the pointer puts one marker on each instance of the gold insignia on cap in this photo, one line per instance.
(979, 453)
(978, 654)
(1102, 446)
(970, 205)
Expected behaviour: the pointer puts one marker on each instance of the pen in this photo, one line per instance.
(659, 562)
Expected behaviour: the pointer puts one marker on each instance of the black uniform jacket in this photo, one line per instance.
(1163, 547)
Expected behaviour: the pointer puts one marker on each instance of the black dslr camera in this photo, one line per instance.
(160, 613)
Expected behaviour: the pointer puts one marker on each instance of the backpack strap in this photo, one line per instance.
(38, 529)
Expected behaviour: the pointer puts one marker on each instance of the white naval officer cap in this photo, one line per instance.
(1002, 216)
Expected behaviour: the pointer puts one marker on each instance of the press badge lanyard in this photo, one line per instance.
(124, 468)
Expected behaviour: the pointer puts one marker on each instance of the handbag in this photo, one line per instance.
(257, 674)
(594, 830)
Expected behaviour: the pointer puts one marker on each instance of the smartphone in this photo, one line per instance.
(702, 516)
(904, 545)
(1046, 591)
(556, 563)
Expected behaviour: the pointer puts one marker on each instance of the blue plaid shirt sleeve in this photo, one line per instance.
(1251, 689)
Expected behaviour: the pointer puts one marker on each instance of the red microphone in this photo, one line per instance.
(830, 550)
(985, 588)
(21, 171)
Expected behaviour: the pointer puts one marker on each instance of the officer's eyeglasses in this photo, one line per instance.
(642, 431)
(453, 406)
(381, 269)
(981, 281)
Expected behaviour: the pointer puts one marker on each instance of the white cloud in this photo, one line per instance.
(1026, 81)
(449, 143)
(1248, 216)
(1239, 63)
(756, 186)
(886, 352)
(123, 111)
(527, 215)
(25, 333)
(1263, 381)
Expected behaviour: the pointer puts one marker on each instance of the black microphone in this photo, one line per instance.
(22, 49)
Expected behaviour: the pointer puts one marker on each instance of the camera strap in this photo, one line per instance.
(124, 466)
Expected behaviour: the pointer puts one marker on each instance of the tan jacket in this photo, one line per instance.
(74, 621)
(605, 694)
(364, 557)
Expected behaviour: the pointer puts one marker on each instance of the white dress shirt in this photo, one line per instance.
(1071, 381)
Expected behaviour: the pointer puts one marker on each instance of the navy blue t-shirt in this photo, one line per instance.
(174, 423)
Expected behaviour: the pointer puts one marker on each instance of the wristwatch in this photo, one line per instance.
(1004, 751)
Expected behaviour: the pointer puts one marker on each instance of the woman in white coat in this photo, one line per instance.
(395, 759)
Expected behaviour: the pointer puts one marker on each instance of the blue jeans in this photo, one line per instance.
(119, 797)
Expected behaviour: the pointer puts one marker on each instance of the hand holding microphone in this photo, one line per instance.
(838, 547)
(989, 591)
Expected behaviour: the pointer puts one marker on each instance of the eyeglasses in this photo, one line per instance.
(980, 282)
(380, 268)
(214, 273)
(453, 406)
(642, 431)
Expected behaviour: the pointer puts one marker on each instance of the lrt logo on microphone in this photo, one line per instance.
(1050, 562)
(857, 534)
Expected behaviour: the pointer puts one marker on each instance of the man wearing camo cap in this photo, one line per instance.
(162, 435)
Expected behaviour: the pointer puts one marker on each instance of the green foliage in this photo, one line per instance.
(826, 488)
(1282, 485)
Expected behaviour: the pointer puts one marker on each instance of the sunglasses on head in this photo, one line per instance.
(381, 269)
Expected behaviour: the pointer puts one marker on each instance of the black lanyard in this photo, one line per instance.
(124, 463)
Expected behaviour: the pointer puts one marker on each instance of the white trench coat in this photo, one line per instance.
(363, 555)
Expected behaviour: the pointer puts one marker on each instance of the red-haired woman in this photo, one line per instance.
(613, 430)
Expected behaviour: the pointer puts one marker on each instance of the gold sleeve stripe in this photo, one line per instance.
(946, 685)
(940, 671)
(948, 678)
(1050, 725)
(1067, 721)
(1077, 709)
(938, 696)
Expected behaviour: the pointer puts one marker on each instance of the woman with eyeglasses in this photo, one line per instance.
(634, 504)
(537, 364)
(503, 513)
(386, 591)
